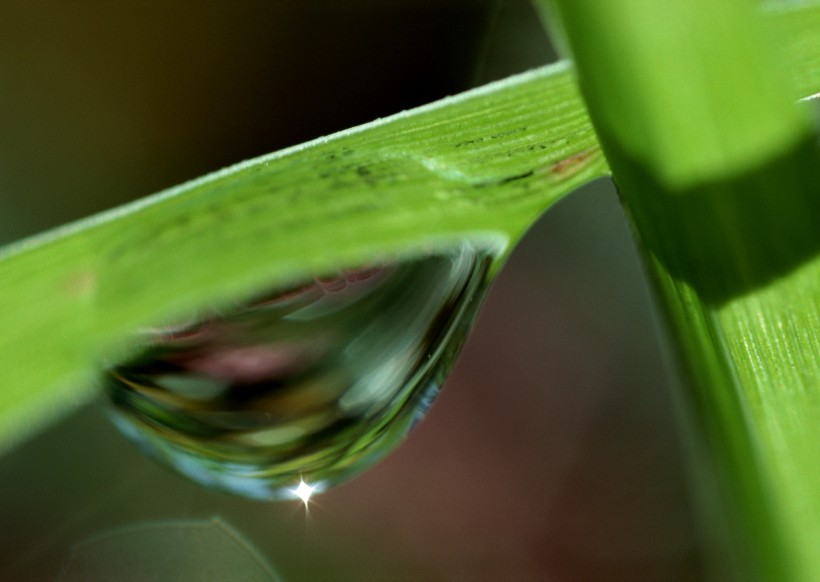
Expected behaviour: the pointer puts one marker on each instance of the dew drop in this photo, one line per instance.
(310, 384)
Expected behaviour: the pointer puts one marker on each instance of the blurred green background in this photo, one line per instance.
(552, 453)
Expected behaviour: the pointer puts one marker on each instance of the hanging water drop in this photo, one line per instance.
(310, 384)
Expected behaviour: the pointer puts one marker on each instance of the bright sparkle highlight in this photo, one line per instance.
(303, 491)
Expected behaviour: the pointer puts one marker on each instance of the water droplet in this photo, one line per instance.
(311, 384)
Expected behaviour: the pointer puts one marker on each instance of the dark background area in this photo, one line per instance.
(552, 453)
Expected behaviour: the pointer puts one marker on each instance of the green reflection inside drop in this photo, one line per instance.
(311, 384)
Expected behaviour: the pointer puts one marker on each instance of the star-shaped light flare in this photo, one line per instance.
(303, 491)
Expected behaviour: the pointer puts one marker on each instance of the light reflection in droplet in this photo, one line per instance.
(303, 491)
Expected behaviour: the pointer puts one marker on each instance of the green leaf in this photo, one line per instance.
(718, 166)
(482, 165)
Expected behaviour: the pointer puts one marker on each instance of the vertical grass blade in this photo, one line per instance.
(718, 167)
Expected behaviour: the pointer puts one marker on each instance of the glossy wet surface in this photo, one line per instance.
(311, 383)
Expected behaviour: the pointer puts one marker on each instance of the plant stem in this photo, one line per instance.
(717, 167)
